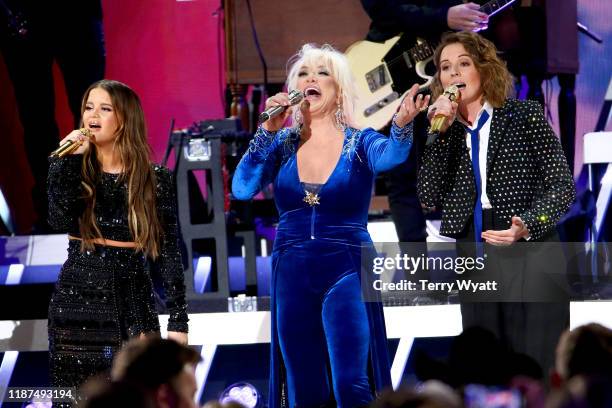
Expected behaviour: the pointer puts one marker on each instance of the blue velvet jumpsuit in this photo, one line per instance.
(320, 323)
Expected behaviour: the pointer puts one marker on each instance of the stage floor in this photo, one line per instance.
(233, 345)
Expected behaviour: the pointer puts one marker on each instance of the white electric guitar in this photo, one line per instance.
(384, 72)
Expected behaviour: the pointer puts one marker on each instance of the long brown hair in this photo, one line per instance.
(496, 81)
(131, 144)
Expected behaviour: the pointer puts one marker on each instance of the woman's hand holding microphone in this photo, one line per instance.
(443, 106)
(77, 142)
(276, 123)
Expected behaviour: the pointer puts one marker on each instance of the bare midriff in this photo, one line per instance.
(108, 242)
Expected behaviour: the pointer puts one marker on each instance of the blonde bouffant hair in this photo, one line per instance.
(337, 64)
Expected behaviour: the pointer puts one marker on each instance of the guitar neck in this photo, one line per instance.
(495, 6)
(425, 50)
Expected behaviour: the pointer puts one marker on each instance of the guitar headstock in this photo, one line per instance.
(493, 7)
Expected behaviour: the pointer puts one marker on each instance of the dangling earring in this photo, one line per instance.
(298, 117)
(339, 116)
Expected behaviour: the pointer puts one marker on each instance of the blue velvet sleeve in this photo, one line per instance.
(258, 166)
(383, 153)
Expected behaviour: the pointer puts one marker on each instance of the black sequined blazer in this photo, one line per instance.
(527, 173)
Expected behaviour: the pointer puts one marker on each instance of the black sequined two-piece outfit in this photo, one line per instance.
(105, 296)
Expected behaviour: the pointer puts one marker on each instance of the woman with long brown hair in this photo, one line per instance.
(119, 211)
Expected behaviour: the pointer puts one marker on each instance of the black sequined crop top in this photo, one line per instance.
(66, 206)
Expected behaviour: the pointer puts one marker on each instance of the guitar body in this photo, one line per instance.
(382, 77)
(384, 72)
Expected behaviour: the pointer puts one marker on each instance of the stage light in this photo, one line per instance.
(39, 405)
(242, 393)
(198, 150)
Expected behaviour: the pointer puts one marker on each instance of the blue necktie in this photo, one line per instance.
(476, 168)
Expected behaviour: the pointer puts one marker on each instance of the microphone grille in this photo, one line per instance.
(295, 96)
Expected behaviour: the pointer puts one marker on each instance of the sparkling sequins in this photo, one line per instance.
(527, 173)
(401, 133)
(105, 296)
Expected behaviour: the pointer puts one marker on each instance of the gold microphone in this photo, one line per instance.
(70, 146)
(452, 93)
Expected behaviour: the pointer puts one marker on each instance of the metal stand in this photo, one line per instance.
(200, 148)
(597, 151)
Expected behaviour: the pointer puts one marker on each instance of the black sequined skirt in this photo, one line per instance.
(102, 298)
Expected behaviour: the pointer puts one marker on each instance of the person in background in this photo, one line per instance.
(33, 36)
(164, 369)
(98, 392)
(585, 350)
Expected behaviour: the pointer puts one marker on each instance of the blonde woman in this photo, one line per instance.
(323, 169)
